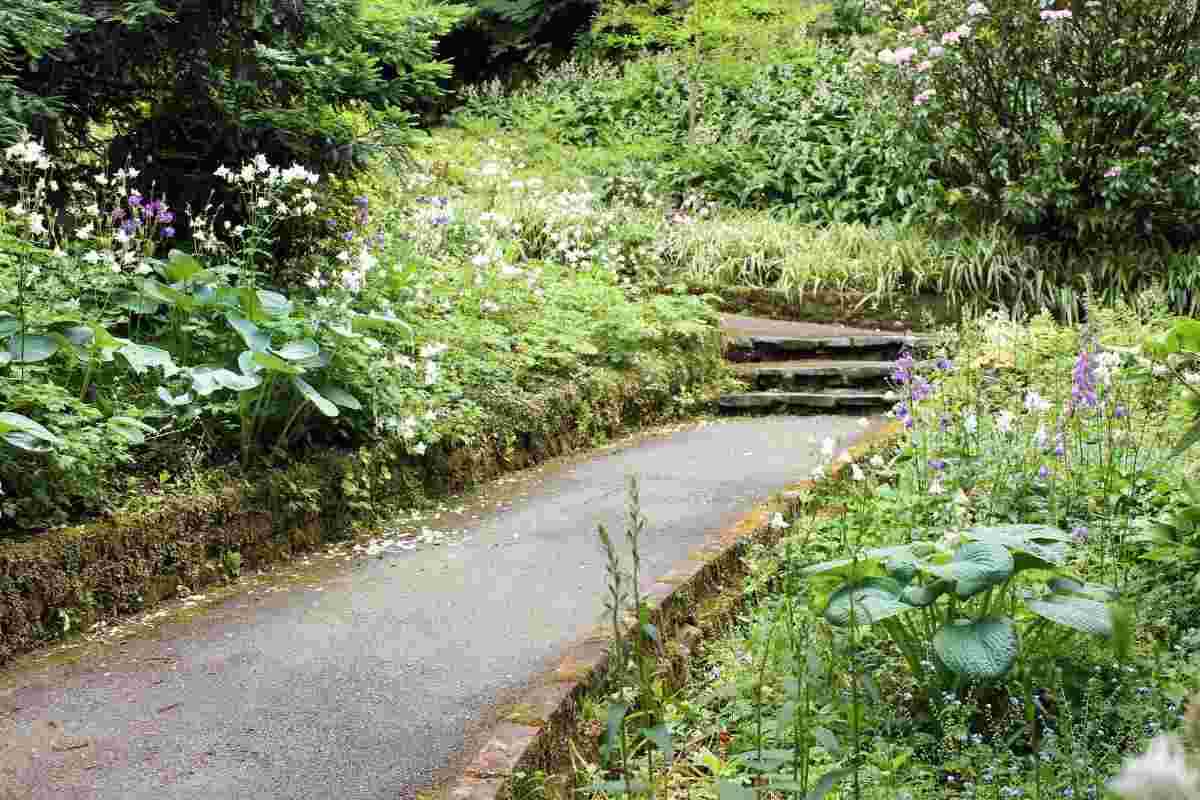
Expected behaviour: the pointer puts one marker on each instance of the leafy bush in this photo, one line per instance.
(805, 136)
(1076, 124)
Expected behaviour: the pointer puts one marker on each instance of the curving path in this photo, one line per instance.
(366, 677)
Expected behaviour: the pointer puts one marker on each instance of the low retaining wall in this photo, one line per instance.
(691, 602)
(66, 579)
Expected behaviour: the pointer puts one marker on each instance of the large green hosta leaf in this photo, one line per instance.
(840, 565)
(1078, 613)
(922, 596)
(978, 566)
(980, 650)
(874, 600)
(23, 433)
(26, 349)
(1032, 546)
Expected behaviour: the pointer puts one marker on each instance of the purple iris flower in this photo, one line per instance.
(168, 232)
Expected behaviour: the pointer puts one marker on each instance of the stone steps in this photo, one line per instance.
(817, 367)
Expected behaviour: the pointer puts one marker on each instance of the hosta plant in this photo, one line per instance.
(968, 600)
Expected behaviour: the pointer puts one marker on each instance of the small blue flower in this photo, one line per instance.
(1043, 472)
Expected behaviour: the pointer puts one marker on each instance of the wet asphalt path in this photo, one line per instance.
(360, 679)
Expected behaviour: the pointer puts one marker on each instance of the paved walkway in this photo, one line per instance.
(365, 678)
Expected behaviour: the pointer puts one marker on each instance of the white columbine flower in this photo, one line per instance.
(827, 446)
(971, 422)
(1004, 421)
(777, 522)
(976, 10)
(431, 373)
(818, 473)
(876, 461)
(91, 257)
(1041, 437)
(1036, 404)
(856, 473)
(1161, 773)
(935, 486)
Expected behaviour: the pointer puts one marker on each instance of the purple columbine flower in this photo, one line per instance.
(347, 236)
(1043, 472)
(937, 464)
(362, 201)
(331, 223)
(902, 373)
(129, 226)
(155, 207)
(135, 199)
(1083, 388)
(1120, 412)
(945, 364)
(903, 414)
(921, 389)
(944, 423)
(165, 217)
(1080, 534)
(441, 219)
(168, 232)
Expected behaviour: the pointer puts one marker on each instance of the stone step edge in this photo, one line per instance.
(810, 399)
(817, 343)
(832, 368)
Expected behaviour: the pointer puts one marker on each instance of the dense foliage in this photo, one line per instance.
(128, 363)
(1076, 123)
(994, 617)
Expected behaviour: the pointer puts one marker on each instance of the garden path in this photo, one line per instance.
(368, 677)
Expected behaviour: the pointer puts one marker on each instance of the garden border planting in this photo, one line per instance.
(690, 601)
(65, 580)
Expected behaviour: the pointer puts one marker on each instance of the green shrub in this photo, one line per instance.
(1077, 124)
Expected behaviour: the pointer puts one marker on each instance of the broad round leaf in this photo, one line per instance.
(26, 349)
(978, 566)
(873, 600)
(27, 442)
(273, 304)
(922, 596)
(310, 394)
(255, 339)
(181, 266)
(273, 363)
(840, 565)
(341, 397)
(1077, 613)
(979, 650)
(1070, 586)
(298, 350)
(142, 358)
(902, 566)
(10, 421)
